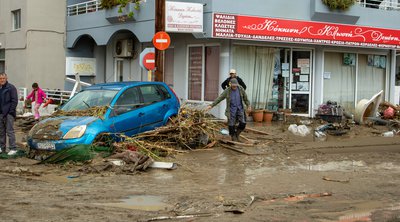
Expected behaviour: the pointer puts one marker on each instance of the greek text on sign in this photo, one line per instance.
(283, 30)
(183, 17)
(82, 66)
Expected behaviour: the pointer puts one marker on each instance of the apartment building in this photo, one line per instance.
(32, 40)
(291, 54)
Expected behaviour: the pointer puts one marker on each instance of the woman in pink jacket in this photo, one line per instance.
(38, 96)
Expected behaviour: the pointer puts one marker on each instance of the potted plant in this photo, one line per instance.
(267, 116)
(258, 115)
(339, 4)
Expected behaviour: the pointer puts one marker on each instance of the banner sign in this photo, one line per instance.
(282, 30)
(183, 17)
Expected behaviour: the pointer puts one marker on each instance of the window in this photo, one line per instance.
(2, 60)
(203, 77)
(128, 101)
(151, 94)
(16, 18)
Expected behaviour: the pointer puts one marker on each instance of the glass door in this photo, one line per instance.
(300, 81)
(118, 70)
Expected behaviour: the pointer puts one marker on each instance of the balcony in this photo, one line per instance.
(83, 8)
(390, 5)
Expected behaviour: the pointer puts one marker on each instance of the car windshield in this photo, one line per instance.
(89, 98)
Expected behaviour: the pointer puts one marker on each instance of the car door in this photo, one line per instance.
(155, 106)
(127, 116)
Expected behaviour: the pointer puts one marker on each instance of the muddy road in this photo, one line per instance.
(355, 177)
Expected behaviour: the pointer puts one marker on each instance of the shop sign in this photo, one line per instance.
(183, 17)
(81, 66)
(282, 30)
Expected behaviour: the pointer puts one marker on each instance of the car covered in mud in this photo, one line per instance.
(126, 108)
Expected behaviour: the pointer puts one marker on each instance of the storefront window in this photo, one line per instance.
(195, 72)
(212, 73)
(207, 90)
(371, 75)
(255, 65)
(340, 79)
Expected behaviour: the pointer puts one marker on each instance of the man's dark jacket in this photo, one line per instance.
(225, 84)
(9, 100)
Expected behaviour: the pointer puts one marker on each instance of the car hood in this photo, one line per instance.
(54, 128)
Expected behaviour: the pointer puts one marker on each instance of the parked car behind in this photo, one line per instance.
(133, 107)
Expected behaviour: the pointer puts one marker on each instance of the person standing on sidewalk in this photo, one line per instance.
(38, 96)
(236, 105)
(8, 112)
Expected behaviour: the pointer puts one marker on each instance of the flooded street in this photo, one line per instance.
(344, 179)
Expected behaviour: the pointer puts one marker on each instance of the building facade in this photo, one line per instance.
(295, 57)
(32, 40)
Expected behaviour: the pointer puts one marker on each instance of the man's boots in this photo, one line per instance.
(240, 129)
(232, 133)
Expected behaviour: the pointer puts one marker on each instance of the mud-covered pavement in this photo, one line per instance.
(354, 177)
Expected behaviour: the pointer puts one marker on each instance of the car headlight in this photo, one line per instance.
(75, 132)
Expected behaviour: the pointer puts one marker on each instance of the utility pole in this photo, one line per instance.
(159, 26)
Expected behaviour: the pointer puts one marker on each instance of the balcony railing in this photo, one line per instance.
(94, 6)
(83, 8)
(381, 4)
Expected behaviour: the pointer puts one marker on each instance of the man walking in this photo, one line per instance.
(236, 105)
(8, 111)
(232, 74)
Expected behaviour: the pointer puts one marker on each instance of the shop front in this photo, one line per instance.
(299, 65)
(271, 84)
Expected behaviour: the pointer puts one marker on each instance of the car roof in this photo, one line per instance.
(117, 85)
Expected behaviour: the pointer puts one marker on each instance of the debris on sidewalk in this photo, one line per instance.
(298, 197)
(335, 180)
(238, 207)
(178, 217)
(301, 130)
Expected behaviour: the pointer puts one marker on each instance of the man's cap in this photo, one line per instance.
(234, 82)
(232, 71)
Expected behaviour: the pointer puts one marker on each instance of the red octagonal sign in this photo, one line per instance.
(161, 40)
(149, 61)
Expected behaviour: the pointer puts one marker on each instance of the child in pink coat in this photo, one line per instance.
(38, 96)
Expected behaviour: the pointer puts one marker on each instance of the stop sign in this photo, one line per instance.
(149, 61)
(161, 40)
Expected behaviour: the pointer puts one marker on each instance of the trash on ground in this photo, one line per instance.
(367, 108)
(388, 134)
(78, 153)
(330, 112)
(300, 130)
(335, 180)
(163, 165)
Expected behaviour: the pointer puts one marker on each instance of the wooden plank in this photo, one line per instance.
(256, 131)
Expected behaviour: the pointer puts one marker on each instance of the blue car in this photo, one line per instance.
(133, 107)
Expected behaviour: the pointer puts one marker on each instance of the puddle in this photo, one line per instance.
(378, 214)
(330, 166)
(140, 202)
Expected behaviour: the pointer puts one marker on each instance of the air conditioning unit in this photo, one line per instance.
(123, 48)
